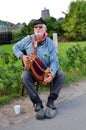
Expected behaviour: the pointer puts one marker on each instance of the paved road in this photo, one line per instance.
(71, 115)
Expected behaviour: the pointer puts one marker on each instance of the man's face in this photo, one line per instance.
(39, 30)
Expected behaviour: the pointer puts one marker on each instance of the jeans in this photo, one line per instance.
(28, 82)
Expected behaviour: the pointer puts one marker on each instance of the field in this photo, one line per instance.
(62, 46)
(7, 47)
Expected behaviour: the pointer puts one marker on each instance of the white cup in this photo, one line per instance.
(17, 109)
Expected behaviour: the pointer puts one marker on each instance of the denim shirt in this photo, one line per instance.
(46, 51)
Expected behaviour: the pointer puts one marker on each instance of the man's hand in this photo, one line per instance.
(49, 78)
(25, 58)
(29, 58)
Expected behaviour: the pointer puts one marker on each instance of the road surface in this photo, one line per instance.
(71, 115)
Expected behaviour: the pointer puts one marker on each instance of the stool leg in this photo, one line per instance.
(23, 88)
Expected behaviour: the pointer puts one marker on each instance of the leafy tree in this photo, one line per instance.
(24, 30)
(54, 26)
(27, 29)
(16, 35)
(74, 23)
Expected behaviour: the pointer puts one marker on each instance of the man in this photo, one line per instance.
(46, 51)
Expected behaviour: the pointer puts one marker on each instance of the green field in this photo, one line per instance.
(7, 47)
(62, 46)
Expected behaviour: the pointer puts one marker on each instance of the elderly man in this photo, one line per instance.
(46, 51)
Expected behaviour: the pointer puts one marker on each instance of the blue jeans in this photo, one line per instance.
(28, 82)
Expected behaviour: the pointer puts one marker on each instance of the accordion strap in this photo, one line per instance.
(34, 44)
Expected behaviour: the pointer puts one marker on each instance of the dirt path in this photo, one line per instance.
(7, 114)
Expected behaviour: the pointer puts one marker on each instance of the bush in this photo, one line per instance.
(75, 60)
(10, 74)
(16, 36)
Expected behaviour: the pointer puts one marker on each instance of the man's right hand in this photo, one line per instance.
(28, 60)
(25, 58)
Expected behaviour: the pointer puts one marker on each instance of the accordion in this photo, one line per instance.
(38, 69)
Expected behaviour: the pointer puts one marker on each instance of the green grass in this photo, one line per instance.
(6, 99)
(63, 46)
(7, 48)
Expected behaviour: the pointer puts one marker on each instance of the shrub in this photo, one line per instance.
(10, 74)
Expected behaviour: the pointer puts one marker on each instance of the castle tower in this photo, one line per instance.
(45, 13)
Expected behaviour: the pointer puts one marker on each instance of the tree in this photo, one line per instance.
(74, 24)
(54, 26)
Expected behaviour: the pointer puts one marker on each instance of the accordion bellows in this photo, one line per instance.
(37, 68)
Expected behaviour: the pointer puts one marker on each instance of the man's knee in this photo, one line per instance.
(61, 74)
(25, 74)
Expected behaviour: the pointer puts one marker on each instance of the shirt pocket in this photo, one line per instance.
(46, 56)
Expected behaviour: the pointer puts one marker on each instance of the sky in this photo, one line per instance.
(19, 11)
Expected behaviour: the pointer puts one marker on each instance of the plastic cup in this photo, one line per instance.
(17, 109)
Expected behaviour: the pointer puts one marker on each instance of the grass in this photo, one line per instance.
(7, 47)
(63, 46)
(6, 99)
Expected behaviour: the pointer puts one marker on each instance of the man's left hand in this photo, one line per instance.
(49, 78)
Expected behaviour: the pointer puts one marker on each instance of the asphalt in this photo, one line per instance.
(71, 115)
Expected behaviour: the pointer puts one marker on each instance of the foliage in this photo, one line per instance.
(27, 29)
(5, 99)
(75, 59)
(17, 35)
(74, 24)
(54, 26)
(10, 81)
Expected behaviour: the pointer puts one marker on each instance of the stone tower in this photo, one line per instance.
(45, 13)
